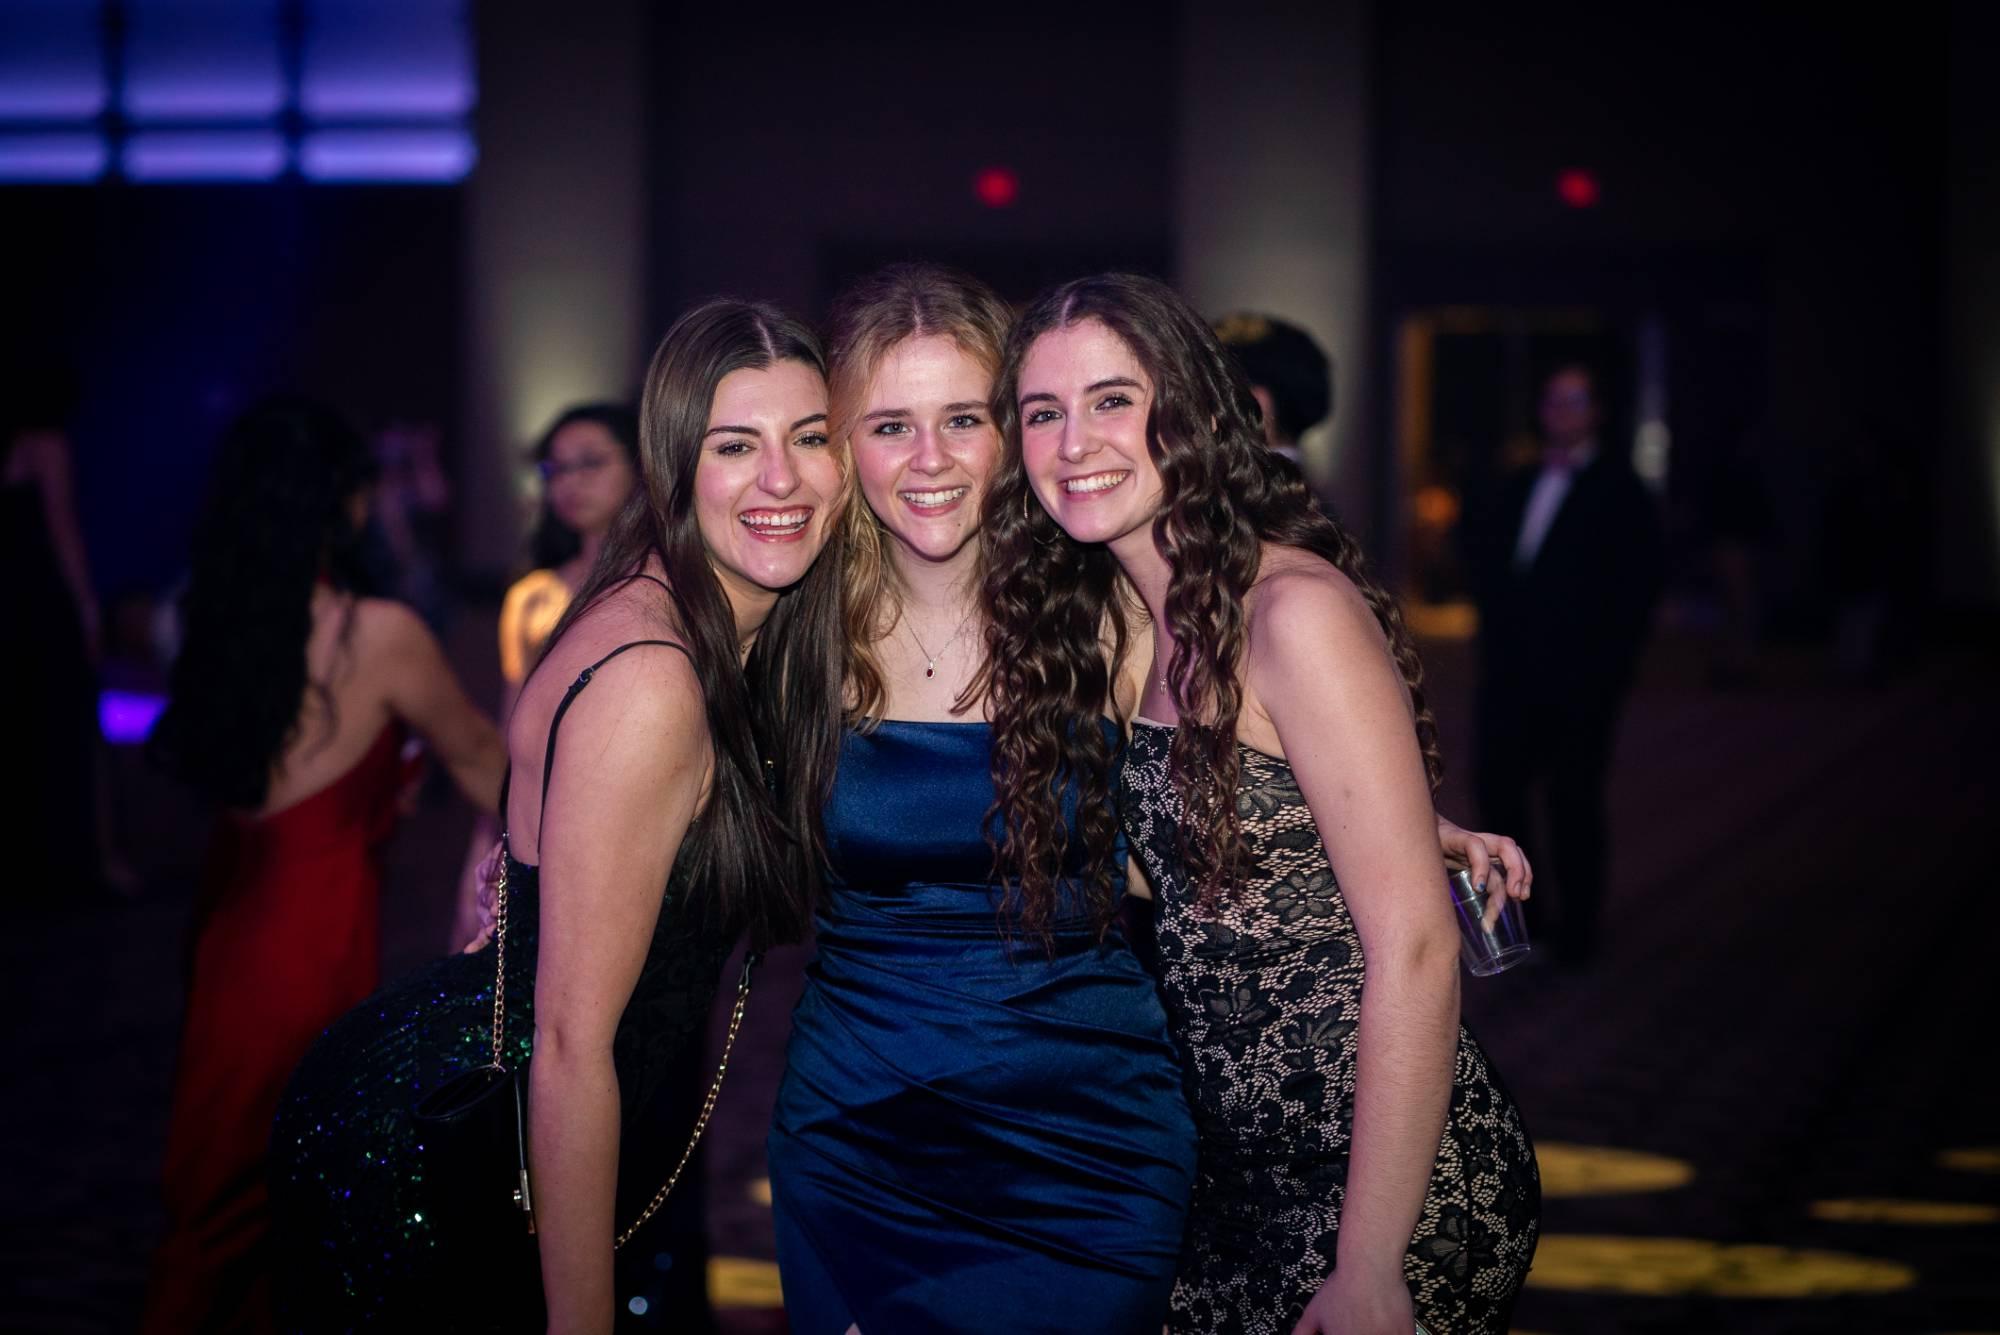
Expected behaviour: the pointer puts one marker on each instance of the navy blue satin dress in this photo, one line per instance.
(969, 1136)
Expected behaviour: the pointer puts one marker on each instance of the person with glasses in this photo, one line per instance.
(589, 463)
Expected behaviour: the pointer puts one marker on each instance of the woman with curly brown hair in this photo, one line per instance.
(1360, 1166)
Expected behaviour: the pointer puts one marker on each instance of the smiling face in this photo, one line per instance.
(924, 444)
(1084, 402)
(768, 481)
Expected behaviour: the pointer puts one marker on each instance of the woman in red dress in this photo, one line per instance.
(291, 701)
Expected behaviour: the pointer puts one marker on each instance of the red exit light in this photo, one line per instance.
(1577, 188)
(997, 187)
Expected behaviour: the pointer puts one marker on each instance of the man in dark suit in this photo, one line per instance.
(1566, 569)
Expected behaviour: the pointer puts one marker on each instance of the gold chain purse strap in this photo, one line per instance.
(523, 1196)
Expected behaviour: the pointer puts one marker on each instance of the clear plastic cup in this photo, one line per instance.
(1487, 950)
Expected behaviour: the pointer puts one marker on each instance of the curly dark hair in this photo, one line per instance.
(276, 520)
(555, 542)
(1055, 602)
(756, 856)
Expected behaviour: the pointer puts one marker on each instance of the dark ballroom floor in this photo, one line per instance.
(1768, 1106)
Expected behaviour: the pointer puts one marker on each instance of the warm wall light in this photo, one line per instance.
(1577, 187)
(996, 187)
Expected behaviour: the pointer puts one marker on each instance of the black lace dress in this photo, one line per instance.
(354, 1234)
(1263, 997)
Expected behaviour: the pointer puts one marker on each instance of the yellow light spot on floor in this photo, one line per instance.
(1980, 1159)
(1660, 1266)
(1599, 1170)
(760, 1190)
(738, 1281)
(1944, 1213)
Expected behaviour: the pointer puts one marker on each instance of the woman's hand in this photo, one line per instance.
(488, 873)
(1487, 855)
(1350, 1303)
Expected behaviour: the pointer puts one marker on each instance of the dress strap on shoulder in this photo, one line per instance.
(576, 689)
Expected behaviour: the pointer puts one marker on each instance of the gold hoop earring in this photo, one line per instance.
(1028, 518)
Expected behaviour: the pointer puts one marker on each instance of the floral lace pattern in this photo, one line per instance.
(1264, 996)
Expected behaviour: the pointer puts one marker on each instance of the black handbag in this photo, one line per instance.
(474, 1128)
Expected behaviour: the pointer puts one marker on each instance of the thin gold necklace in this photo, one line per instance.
(930, 659)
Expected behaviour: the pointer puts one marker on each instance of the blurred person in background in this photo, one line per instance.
(290, 701)
(1566, 568)
(58, 834)
(405, 539)
(589, 463)
(1289, 373)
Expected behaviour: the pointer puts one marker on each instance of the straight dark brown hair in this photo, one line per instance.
(755, 854)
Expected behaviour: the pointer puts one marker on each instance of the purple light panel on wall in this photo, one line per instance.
(409, 60)
(386, 155)
(210, 62)
(382, 90)
(50, 68)
(206, 155)
(53, 157)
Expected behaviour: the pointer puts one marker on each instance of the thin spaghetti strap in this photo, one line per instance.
(576, 688)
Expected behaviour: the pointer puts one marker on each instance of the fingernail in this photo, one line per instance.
(1482, 887)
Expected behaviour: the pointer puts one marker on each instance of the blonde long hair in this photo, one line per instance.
(889, 306)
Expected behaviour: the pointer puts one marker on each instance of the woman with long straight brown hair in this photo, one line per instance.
(691, 678)
(1361, 1168)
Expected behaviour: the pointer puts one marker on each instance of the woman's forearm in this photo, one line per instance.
(573, 1166)
(1406, 1044)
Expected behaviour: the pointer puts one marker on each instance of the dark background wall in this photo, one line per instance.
(795, 149)
(1807, 207)
(1772, 190)
(176, 306)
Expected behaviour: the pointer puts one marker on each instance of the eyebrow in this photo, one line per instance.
(807, 420)
(1110, 382)
(969, 405)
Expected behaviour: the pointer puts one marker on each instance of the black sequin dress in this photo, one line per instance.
(1263, 996)
(353, 1229)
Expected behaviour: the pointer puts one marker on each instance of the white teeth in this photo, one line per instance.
(1095, 482)
(777, 520)
(935, 498)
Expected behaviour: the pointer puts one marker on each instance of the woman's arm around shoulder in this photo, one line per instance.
(630, 773)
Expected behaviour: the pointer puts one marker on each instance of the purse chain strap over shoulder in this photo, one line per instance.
(499, 1045)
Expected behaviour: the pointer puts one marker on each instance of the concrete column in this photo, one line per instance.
(555, 245)
(1965, 550)
(1272, 198)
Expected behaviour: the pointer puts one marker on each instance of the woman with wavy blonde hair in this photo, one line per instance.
(971, 1115)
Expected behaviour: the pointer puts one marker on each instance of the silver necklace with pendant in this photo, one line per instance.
(930, 659)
